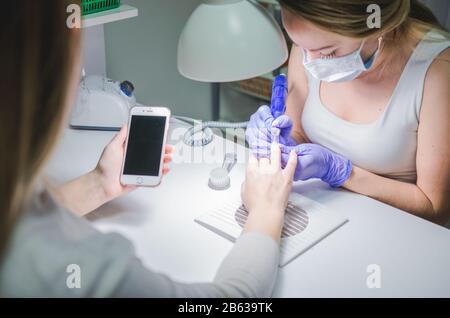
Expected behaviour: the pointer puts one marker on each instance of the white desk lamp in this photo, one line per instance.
(225, 41)
(230, 40)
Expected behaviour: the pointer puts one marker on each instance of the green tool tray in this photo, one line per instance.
(94, 6)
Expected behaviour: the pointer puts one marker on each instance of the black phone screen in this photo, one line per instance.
(145, 142)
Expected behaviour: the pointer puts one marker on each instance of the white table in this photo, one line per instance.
(413, 254)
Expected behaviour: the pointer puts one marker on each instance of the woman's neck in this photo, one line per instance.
(390, 62)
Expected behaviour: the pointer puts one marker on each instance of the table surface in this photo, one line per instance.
(412, 254)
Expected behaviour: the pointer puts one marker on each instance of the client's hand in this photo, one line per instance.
(86, 193)
(266, 190)
(110, 164)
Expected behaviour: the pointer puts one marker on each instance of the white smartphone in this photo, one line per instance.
(144, 152)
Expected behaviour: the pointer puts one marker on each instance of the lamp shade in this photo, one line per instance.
(230, 40)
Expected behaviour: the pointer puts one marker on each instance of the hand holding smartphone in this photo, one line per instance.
(144, 152)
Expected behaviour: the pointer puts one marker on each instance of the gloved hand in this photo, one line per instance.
(284, 126)
(259, 131)
(315, 161)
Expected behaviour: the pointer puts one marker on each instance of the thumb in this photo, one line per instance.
(291, 166)
(265, 115)
(121, 136)
(282, 122)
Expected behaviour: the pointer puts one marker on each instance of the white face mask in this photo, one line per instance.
(340, 69)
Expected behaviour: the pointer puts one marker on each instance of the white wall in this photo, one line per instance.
(94, 61)
(144, 51)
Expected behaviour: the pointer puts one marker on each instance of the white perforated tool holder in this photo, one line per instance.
(306, 224)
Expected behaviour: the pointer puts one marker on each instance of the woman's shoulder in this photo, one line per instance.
(436, 52)
(439, 71)
(436, 95)
(46, 244)
(444, 57)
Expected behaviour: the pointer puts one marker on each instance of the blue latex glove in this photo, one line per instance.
(259, 131)
(315, 161)
(284, 126)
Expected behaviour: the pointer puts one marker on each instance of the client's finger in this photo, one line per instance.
(264, 163)
(275, 156)
(169, 149)
(166, 170)
(289, 171)
(168, 158)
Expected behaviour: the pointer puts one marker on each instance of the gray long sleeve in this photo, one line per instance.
(48, 239)
(249, 270)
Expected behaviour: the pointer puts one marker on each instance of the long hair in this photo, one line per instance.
(402, 21)
(349, 17)
(36, 62)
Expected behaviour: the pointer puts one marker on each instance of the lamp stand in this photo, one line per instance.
(215, 101)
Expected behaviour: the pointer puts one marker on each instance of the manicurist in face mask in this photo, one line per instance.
(368, 107)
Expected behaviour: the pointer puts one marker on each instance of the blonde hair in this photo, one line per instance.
(402, 21)
(36, 62)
